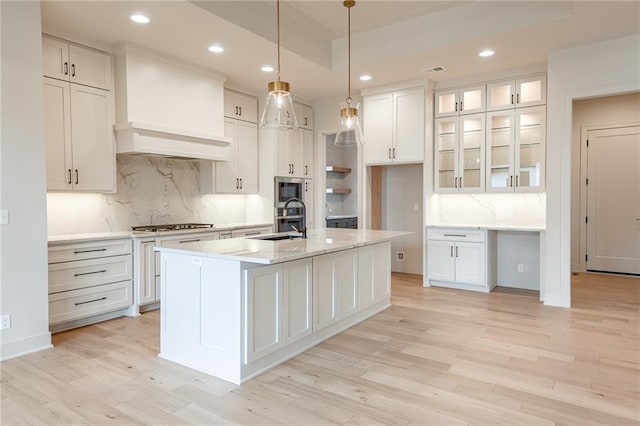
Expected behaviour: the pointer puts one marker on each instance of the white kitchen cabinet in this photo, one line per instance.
(307, 136)
(374, 274)
(248, 232)
(520, 93)
(239, 175)
(297, 299)
(79, 137)
(304, 115)
(459, 258)
(457, 101)
(516, 150)
(309, 201)
(76, 64)
(289, 153)
(460, 153)
(240, 106)
(89, 280)
(263, 312)
(147, 274)
(394, 127)
(335, 287)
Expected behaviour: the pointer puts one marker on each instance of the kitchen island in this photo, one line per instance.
(235, 308)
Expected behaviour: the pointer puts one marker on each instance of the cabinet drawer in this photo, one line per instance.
(88, 273)
(72, 305)
(453, 234)
(88, 250)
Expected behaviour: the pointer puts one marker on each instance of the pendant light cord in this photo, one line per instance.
(278, 25)
(349, 100)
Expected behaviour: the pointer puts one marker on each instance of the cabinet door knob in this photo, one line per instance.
(240, 183)
(69, 170)
(455, 182)
(77, 176)
(394, 153)
(518, 98)
(66, 72)
(73, 70)
(456, 107)
(511, 180)
(389, 154)
(236, 110)
(461, 108)
(240, 109)
(456, 251)
(512, 99)
(516, 180)
(451, 251)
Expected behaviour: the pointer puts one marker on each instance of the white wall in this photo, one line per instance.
(605, 111)
(599, 69)
(24, 241)
(402, 211)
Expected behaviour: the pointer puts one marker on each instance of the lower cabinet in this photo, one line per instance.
(460, 258)
(374, 273)
(88, 281)
(297, 300)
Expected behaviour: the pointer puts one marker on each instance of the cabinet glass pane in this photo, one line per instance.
(531, 91)
(472, 142)
(472, 99)
(500, 150)
(445, 179)
(500, 95)
(446, 102)
(531, 136)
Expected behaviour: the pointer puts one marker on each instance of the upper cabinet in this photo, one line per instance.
(78, 107)
(460, 153)
(394, 127)
(524, 92)
(467, 100)
(240, 106)
(516, 150)
(304, 115)
(293, 150)
(69, 62)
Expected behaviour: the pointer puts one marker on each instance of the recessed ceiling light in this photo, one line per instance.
(216, 48)
(140, 19)
(365, 77)
(485, 53)
(267, 68)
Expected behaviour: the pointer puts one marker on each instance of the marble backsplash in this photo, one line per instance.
(487, 209)
(150, 190)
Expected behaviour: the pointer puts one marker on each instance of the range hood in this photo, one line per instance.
(148, 139)
(166, 107)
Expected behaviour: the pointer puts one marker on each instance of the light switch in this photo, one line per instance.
(4, 217)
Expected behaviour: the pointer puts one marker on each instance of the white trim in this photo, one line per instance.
(392, 88)
(27, 345)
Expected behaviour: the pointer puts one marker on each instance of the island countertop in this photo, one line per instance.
(254, 250)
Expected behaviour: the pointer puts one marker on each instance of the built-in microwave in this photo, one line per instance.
(286, 188)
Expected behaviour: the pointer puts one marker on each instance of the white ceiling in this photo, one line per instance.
(391, 40)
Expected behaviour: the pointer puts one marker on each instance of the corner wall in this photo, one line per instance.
(598, 69)
(23, 273)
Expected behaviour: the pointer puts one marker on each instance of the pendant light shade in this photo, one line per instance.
(349, 132)
(278, 112)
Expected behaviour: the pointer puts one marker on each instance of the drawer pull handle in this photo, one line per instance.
(89, 251)
(89, 273)
(252, 233)
(91, 301)
(456, 251)
(456, 235)
(189, 241)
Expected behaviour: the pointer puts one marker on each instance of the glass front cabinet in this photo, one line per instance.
(460, 153)
(516, 150)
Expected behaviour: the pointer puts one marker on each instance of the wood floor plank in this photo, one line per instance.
(436, 356)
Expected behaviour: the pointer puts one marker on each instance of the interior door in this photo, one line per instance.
(613, 200)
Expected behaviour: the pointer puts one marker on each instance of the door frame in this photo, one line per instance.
(582, 237)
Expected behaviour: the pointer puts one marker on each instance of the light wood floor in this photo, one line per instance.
(436, 356)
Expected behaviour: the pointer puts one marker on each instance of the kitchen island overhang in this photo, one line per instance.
(235, 308)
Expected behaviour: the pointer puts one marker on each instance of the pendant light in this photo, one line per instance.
(349, 132)
(278, 112)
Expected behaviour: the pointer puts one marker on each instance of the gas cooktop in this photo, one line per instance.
(171, 227)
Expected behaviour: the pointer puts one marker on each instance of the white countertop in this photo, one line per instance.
(71, 238)
(318, 241)
(493, 227)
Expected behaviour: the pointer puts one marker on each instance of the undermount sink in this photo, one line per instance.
(276, 237)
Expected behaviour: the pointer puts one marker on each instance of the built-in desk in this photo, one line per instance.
(479, 258)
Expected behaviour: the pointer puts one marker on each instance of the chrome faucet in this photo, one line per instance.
(303, 228)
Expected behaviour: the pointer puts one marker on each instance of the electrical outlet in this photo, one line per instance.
(400, 256)
(416, 207)
(520, 267)
(5, 322)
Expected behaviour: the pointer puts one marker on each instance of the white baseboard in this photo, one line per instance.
(27, 345)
